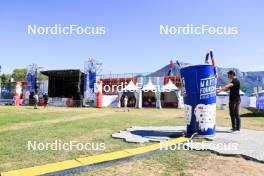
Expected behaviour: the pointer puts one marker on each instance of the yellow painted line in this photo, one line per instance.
(103, 157)
(79, 162)
(144, 149)
(43, 169)
(158, 146)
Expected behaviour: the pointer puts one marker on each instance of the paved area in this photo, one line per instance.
(140, 134)
(247, 143)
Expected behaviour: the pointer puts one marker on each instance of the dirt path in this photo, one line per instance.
(213, 165)
(228, 166)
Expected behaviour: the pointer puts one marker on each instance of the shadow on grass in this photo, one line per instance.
(253, 114)
(154, 133)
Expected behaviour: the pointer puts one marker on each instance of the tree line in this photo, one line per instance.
(19, 74)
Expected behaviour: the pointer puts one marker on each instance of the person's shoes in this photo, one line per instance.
(236, 131)
(232, 130)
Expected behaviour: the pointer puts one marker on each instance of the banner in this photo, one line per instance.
(31, 81)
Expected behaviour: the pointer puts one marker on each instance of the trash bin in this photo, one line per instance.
(199, 89)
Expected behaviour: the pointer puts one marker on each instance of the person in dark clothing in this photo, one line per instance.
(234, 99)
(46, 99)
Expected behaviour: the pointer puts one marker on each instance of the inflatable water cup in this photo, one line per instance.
(199, 89)
(99, 94)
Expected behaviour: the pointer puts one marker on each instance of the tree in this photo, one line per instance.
(19, 74)
(5, 78)
(41, 77)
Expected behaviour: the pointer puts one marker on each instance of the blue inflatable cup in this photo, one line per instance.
(199, 89)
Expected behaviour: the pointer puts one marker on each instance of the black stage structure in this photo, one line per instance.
(66, 84)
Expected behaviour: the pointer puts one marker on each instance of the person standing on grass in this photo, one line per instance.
(46, 99)
(125, 104)
(36, 98)
(234, 99)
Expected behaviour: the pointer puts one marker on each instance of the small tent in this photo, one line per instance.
(241, 93)
(131, 91)
(244, 99)
(169, 95)
(131, 87)
(150, 95)
(169, 87)
(222, 100)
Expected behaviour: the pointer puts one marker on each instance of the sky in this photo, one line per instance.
(132, 42)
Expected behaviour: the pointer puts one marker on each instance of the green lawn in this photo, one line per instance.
(21, 124)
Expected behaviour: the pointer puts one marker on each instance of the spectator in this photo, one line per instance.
(125, 104)
(46, 99)
(35, 101)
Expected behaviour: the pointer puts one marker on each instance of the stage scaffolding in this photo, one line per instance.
(66, 84)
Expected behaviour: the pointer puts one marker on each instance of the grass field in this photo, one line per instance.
(21, 124)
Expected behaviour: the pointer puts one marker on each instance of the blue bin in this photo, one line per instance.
(199, 89)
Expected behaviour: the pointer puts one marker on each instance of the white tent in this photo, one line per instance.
(131, 87)
(245, 101)
(170, 95)
(169, 87)
(150, 88)
(222, 100)
(241, 93)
